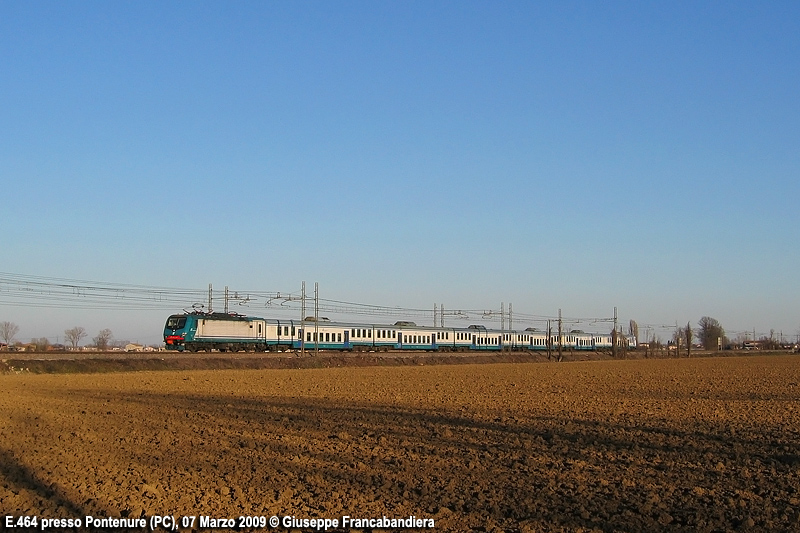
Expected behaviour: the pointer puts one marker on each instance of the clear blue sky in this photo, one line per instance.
(573, 155)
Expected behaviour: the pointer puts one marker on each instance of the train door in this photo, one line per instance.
(261, 333)
(347, 339)
(400, 339)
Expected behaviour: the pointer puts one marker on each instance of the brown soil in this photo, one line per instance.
(647, 445)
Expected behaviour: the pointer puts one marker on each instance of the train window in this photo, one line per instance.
(340, 337)
(176, 322)
(308, 336)
(286, 330)
(327, 337)
(293, 331)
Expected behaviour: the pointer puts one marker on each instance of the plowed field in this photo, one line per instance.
(646, 445)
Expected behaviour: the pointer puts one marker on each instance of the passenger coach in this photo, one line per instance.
(223, 332)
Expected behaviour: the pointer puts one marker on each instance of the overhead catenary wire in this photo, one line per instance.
(21, 290)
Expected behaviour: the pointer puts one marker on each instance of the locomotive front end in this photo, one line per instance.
(176, 330)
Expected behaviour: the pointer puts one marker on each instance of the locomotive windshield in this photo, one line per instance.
(176, 322)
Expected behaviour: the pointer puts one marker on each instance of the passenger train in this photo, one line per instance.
(194, 332)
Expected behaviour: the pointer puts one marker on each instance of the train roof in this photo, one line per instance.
(309, 322)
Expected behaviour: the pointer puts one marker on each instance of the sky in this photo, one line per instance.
(579, 156)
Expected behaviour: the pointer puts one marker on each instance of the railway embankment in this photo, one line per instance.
(104, 362)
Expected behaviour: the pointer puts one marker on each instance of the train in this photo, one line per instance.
(232, 332)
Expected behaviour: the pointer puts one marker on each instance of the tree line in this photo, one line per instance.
(72, 337)
(709, 333)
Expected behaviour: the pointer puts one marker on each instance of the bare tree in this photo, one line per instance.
(41, 344)
(683, 335)
(74, 336)
(7, 331)
(689, 336)
(102, 340)
(710, 333)
(656, 345)
(633, 329)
